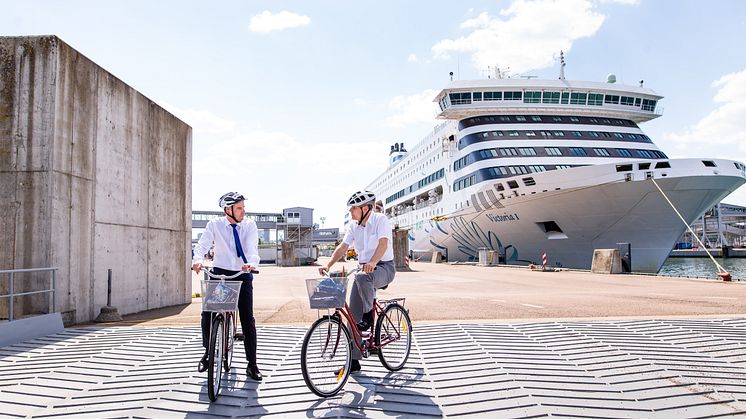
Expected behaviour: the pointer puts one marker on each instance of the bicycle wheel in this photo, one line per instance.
(215, 359)
(326, 356)
(393, 337)
(230, 337)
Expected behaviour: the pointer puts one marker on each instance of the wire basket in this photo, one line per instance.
(327, 292)
(220, 295)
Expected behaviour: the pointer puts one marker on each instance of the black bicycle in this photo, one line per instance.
(221, 299)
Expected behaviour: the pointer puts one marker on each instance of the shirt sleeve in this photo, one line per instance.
(204, 244)
(348, 238)
(252, 245)
(383, 229)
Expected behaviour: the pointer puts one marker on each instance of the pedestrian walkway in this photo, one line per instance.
(623, 368)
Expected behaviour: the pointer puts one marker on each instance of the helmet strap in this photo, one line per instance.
(231, 214)
(365, 214)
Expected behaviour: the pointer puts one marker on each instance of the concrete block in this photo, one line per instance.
(606, 261)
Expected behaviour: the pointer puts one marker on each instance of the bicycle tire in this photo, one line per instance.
(394, 323)
(230, 336)
(215, 360)
(326, 356)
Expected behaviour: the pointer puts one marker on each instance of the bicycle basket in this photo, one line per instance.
(220, 295)
(327, 292)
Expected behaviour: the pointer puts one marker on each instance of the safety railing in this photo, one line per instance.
(11, 291)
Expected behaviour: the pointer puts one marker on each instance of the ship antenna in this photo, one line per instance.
(562, 65)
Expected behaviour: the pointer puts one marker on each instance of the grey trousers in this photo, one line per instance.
(363, 292)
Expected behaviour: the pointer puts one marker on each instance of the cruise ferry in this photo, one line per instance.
(527, 167)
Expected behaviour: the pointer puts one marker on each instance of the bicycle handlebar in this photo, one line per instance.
(224, 277)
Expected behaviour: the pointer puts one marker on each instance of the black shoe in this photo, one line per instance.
(238, 336)
(202, 366)
(354, 367)
(366, 322)
(253, 371)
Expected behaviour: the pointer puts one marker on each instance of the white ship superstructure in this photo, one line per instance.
(526, 166)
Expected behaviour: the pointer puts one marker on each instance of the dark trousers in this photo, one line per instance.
(245, 313)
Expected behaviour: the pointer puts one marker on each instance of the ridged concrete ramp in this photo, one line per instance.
(637, 368)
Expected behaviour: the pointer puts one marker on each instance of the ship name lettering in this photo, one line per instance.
(496, 218)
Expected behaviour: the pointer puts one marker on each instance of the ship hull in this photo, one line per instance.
(570, 223)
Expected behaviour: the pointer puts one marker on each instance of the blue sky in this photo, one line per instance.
(295, 103)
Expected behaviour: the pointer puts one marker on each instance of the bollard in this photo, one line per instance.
(108, 313)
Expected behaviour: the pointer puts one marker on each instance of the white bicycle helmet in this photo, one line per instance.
(360, 198)
(230, 199)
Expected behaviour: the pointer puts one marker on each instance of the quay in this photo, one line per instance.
(496, 341)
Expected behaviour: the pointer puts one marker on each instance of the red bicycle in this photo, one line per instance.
(327, 347)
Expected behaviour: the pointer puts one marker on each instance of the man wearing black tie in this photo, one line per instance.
(236, 249)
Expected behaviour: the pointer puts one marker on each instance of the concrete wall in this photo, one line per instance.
(94, 176)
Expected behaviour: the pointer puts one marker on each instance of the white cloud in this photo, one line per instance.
(625, 2)
(413, 109)
(527, 35)
(201, 120)
(267, 21)
(412, 58)
(359, 101)
(719, 133)
(275, 171)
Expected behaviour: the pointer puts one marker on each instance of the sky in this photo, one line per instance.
(296, 103)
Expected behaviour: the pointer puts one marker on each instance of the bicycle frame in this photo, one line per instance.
(359, 336)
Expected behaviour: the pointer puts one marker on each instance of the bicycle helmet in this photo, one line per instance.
(360, 198)
(230, 199)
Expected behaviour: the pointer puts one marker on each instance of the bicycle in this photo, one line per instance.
(326, 354)
(220, 298)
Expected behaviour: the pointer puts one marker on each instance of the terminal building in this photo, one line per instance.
(287, 238)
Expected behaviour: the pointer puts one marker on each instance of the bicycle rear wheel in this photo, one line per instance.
(326, 356)
(394, 337)
(230, 326)
(215, 360)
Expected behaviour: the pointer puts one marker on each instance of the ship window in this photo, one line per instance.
(503, 171)
(513, 95)
(632, 137)
(493, 95)
(623, 167)
(574, 119)
(485, 134)
(601, 152)
(577, 134)
(637, 101)
(611, 99)
(551, 97)
(520, 118)
(662, 165)
(536, 118)
(562, 166)
(532, 97)
(577, 98)
(504, 119)
(578, 151)
(627, 100)
(709, 163)
(624, 152)
(499, 187)
(557, 118)
(536, 169)
(477, 96)
(593, 134)
(644, 153)
(644, 166)
(530, 134)
(513, 133)
(619, 135)
(553, 151)
(648, 105)
(546, 133)
(565, 97)
(529, 181)
(595, 99)
(512, 184)
(460, 98)
(527, 151)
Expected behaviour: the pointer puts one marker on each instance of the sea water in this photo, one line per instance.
(703, 267)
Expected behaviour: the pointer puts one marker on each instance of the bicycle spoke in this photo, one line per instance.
(394, 335)
(326, 357)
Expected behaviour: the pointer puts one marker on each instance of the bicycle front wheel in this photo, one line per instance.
(394, 337)
(326, 356)
(215, 360)
(230, 336)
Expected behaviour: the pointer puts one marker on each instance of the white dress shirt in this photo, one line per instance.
(365, 238)
(220, 232)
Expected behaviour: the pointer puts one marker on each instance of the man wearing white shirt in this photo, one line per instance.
(369, 233)
(236, 249)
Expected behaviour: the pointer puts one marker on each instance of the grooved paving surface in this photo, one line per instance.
(637, 368)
